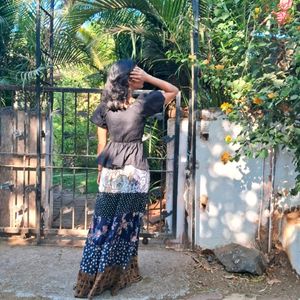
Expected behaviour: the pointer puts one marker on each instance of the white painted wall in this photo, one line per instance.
(290, 238)
(237, 192)
(233, 190)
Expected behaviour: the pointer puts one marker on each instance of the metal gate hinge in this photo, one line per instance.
(7, 186)
(18, 134)
(30, 188)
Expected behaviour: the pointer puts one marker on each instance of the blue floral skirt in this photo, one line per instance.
(110, 255)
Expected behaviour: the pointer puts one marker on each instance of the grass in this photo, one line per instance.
(77, 181)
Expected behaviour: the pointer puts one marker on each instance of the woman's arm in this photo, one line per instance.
(102, 139)
(170, 90)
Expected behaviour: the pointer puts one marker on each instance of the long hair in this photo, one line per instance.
(116, 88)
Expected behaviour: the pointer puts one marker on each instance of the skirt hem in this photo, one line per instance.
(113, 278)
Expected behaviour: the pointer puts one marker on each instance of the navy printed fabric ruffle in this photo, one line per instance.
(118, 204)
(113, 239)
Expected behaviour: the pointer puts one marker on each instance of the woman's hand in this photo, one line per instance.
(170, 91)
(138, 74)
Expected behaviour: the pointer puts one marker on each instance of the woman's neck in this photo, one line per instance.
(129, 100)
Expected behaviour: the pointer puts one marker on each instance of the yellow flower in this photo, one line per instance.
(226, 107)
(206, 62)
(228, 139)
(192, 57)
(219, 67)
(225, 157)
(241, 100)
(257, 101)
(257, 10)
(272, 95)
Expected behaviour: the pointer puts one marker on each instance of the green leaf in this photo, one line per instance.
(294, 97)
(263, 154)
(297, 131)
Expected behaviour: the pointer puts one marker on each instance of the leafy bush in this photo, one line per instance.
(257, 71)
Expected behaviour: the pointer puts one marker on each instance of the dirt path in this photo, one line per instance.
(279, 283)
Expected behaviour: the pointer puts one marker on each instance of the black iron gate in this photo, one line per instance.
(48, 153)
(56, 142)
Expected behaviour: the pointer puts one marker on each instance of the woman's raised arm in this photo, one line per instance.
(169, 90)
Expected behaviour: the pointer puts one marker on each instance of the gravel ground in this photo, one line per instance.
(49, 272)
(43, 272)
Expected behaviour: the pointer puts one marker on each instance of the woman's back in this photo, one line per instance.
(126, 128)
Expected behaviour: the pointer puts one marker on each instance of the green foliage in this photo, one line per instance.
(74, 134)
(16, 43)
(256, 68)
(93, 72)
(74, 44)
(149, 31)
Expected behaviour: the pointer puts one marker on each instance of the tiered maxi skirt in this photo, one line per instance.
(110, 255)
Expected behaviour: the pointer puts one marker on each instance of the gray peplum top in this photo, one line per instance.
(126, 128)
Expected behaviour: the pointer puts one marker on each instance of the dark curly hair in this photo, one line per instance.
(116, 88)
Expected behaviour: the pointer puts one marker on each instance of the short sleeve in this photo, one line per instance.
(152, 103)
(98, 116)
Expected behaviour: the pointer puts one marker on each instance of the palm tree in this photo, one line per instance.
(154, 32)
(18, 42)
(157, 33)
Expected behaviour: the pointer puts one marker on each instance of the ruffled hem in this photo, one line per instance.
(118, 154)
(113, 278)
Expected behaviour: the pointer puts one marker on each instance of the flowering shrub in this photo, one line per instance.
(283, 16)
(256, 70)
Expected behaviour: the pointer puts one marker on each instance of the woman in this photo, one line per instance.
(110, 254)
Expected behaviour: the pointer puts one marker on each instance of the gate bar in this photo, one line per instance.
(50, 89)
(175, 165)
(38, 123)
(192, 115)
